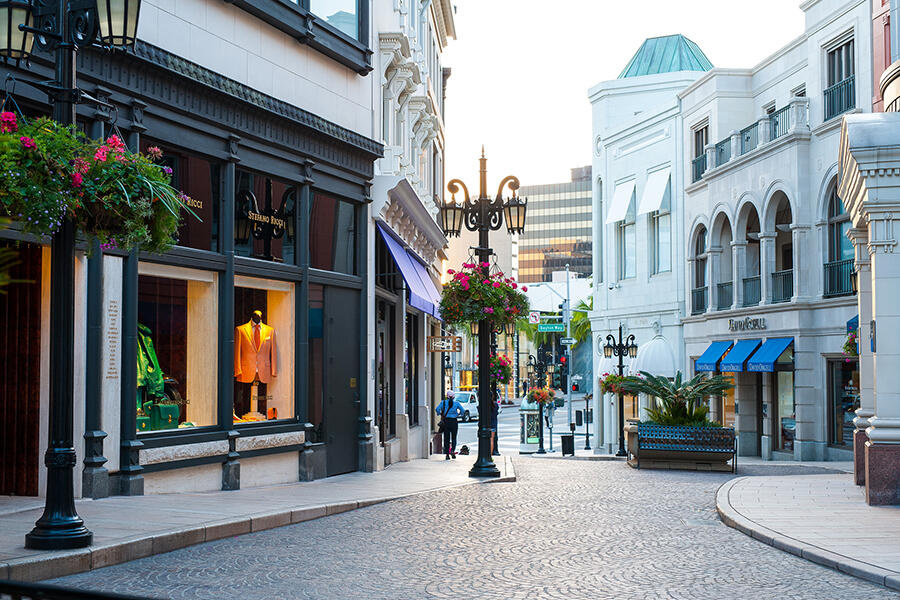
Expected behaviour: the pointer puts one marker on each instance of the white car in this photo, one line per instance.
(469, 403)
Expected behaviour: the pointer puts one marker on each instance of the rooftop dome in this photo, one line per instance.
(666, 54)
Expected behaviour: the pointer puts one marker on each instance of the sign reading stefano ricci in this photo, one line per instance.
(746, 324)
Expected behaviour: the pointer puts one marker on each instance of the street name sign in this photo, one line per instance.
(557, 327)
(445, 343)
(567, 341)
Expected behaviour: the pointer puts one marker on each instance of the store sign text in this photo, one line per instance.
(267, 219)
(746, 324)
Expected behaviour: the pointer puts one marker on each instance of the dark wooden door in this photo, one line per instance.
(20, 374)
(342, 384)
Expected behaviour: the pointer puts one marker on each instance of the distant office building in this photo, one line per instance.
(558, 230)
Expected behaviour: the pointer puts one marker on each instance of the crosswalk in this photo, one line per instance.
(509, 434)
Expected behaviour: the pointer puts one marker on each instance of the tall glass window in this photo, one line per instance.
(839, 245)
(661, 235)
(343, 15)
(264, 218)
(627, 243)
(843, 400)
(332, 235)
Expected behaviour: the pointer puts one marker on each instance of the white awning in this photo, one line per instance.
(621, 199)
(654, 191)
(655, 357)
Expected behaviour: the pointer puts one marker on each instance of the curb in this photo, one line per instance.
(55, 564)
(731, 517)
(596, 457)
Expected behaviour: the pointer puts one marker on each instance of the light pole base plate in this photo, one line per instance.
(44, 539)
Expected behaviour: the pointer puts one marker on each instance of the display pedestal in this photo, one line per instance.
(254, 413)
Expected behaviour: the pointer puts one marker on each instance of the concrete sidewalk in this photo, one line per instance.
(128, 528)
(823, 518)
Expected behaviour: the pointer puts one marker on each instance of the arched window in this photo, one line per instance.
(700, 262)
(839, 259)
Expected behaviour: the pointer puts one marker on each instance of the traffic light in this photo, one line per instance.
(557, 380)
(575, 387)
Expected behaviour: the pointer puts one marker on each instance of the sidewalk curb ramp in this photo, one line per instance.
(55, 564)
(734, 519)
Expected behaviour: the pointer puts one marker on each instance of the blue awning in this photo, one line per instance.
(709, 360)
(765, 357)
(418, 294)
(427, 284)
(853, 324)
(734, 360)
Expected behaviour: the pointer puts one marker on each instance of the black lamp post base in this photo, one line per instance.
(484, 469)
(59, 536)
(621, 453)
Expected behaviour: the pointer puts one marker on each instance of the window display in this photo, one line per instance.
(264, 225)
(263, 350)
(843, 400)
(177, 358)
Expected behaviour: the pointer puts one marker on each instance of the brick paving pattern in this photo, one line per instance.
(566, 529)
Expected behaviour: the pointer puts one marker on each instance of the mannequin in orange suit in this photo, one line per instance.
(255, 358)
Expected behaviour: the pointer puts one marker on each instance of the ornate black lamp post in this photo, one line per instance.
(620, 348)
(62, 27)
(483, 214)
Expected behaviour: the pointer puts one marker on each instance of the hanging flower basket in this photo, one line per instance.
(471, 296)
(611, 383)
(851, 345)
(501, 369)
(121, 198)
(542, 396)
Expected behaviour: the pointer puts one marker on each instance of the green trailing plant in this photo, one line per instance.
(679, 402)
(50, 172)
(471, 295)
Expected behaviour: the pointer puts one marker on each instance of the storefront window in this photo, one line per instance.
(263, 349)
(786, 422)
(332, 235)
(843, 400)
(315, 410)
(340, 14)
(177, 348)
(411, 369)
(201, 181)
(264, 223)
(725, 409)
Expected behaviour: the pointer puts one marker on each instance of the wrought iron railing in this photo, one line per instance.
(16, 590)
(699, 167)
(837, 277)
(723, 152)
(749, 138)
(779, 123)
(782, 286)
(840, 98)
(752, 291)
(698, 300)
(724, 295)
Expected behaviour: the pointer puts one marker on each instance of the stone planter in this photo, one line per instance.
(676, 447)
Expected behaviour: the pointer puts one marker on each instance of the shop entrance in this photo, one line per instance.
(342, 385)
(20, 365)
(385, 404)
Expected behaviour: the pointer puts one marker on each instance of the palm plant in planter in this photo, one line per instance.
(680, 402)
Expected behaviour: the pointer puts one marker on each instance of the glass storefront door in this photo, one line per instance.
(843, 400)
(785, 423)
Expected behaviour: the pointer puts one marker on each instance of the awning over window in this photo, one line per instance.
(853, 324)
(418, 293)
(619, 205)
(765, 357)
(734, 360)
(709, 360)
(654, 191)
(427, 284)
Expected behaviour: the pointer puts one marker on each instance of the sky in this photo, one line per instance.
(521, 70)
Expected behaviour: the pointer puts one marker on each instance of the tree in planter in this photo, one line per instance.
(680, 402)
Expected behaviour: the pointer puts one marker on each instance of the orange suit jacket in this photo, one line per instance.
(250, 361)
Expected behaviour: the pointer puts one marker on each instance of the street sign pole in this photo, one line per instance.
(568, 317)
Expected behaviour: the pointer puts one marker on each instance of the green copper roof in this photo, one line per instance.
(666, 54)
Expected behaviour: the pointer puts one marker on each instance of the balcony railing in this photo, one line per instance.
(724, 295)
(723, 152)
(840, 98)
(699, 167)
(698, 300)
(782, 286)
(749, 138)
(837, 277)
(752, 291)
(779, 123)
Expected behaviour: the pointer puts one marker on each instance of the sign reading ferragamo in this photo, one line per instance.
(747, 324)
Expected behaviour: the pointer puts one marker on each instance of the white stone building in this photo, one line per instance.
(638, 233)
(406, 244)
(767, 289)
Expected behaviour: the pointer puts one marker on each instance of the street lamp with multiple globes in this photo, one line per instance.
(483, 214)
(620, 348)
(62, 27)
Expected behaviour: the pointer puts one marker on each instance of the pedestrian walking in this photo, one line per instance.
(450, 411)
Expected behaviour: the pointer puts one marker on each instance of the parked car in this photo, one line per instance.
(469, 403)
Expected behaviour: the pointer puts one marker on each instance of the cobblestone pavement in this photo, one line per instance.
(566, 529)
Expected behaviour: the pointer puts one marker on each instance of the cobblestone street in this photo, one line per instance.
(566, 529)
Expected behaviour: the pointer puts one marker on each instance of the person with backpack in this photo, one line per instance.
(449, 411)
